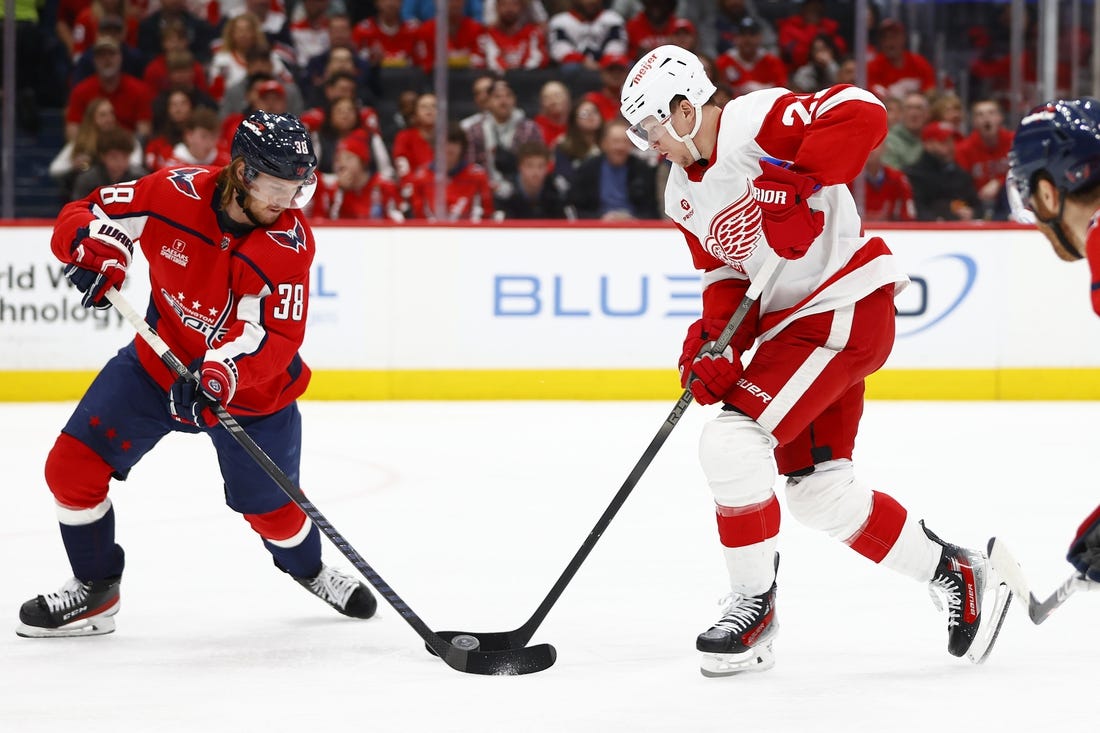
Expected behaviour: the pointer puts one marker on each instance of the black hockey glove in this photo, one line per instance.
(1084, 552)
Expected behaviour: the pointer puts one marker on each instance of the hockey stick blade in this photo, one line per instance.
(518, 638)
(463, 657)
(1009, 568)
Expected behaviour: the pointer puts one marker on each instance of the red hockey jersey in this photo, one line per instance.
(245, 297)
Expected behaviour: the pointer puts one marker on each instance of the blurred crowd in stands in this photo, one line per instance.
(533, 129)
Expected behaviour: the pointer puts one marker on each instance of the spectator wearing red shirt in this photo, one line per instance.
(650, 28)
(984, 155)
(468, 196)
(510, 43)
(887, 193)
(613, 68)
(310, 32)
(264, 92)
(173, 41)
(747, 66)
(129, 95)
(464, 41)
(896, 71)
(385, 39)
(797, 32)
(553, 117)
(89, 21)
(350, 191)
(413, 147)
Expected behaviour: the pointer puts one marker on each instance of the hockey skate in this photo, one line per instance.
(975, 596)
(78, 609)
(344, 593)
(741, 641)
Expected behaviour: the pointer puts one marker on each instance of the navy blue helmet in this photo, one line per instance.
(1061, 138)
(278, 145)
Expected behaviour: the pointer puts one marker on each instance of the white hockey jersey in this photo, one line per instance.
(826, 136)
(572, 38)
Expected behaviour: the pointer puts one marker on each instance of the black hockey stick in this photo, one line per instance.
(1010, 570)
(518, 638)
(462, 654)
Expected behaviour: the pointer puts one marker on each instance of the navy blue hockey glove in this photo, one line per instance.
(100, 255)
(1084, 552)
(192, 403)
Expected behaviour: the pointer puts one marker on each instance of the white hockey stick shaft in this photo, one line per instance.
(1009, 569)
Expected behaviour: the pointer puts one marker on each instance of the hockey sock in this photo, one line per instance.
(91, 547)
(302, 560)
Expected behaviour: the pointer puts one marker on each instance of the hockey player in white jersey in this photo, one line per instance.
(764, 177)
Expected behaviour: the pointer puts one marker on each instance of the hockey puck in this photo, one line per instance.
(465, 642)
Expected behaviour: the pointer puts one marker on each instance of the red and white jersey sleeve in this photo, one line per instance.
(1092, 252)
(524, 49)
(244, 297)
(826, 136)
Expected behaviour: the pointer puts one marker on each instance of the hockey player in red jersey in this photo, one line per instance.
(1054, 182)
(229, 256)
(765, 177)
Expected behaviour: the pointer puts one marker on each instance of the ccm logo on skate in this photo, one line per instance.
(74, 613)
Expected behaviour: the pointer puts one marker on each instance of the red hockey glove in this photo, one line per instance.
(790, 225)
(1084, 552)
(100, 255)
(699, 334)
(191, 403)
(711, 377)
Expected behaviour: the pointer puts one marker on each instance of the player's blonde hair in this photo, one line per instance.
(231, 183)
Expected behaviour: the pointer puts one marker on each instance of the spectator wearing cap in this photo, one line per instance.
(201, 143)
(88, 24)
(200, 34)
(583, 35)
(494, 141)
(797, 32)
(747, 67)
(684, 35)
(259, 60)
(264, 92)
(129, 95)
(895, 70)
(240, 36)
(942, 191)
(984, 155)
(110, 26)
(514, 41)
(903, 144)
(464, 41)
(718, 28)
(351, 191)
(650, 28)
(613, 68)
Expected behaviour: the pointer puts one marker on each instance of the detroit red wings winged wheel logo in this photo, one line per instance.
(734, 231)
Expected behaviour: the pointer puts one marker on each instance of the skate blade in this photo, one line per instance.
(96, 626)
(987, 634)
(757, 659)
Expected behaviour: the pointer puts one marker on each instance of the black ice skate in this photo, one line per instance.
(78, 609)
(741, 641)
(343, 592)
(976, 598)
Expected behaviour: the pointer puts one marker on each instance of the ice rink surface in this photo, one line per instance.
(472, 510)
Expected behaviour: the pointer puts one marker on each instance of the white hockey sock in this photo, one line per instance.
(914, 554)
(752, 568)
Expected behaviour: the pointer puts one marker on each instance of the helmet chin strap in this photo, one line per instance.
(1055, 224)
(689, 139)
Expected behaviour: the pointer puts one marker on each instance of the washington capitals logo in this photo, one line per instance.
(294, 239)
(184, 180)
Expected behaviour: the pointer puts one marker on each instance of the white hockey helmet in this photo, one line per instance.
(660, 75)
